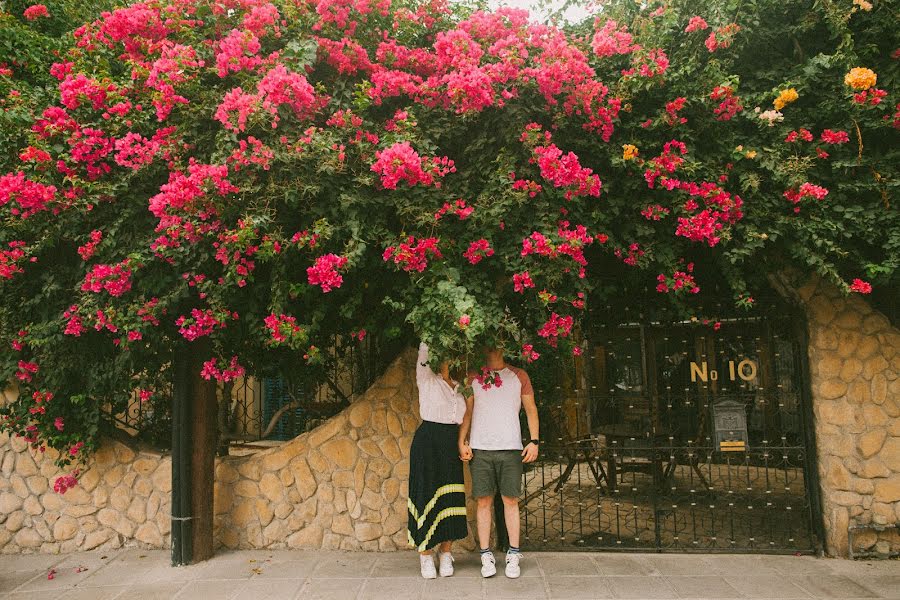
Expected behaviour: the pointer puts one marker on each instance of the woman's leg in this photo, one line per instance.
(445, 546)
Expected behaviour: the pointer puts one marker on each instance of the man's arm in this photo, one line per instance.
(530, 453)
(465, 453)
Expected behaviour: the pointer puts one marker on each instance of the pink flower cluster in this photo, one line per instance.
(696, 24)
(324, 272)
(730, 105)
(24, 197)
(201, 323)
(35, 11)
(680, 281)
(612, 39)
(458, 208)
(834, 137)
(861, 287)
(654, 212)
(722, 37)
(10, 259)
(478, 251)
(412, 255)
(488, 378)
(563, 171)
(74, 325)
(87, 250)
(282, 328)
(221, 371)
(872, 97)
(400, 163)
(278, 87)
(26, 370)
(672, 109)
(556, 327)
(529, 354)
(522, 281)
(36, 155)
(805, 190)
(801, 134)
(115, 279)
(63, 484)
(134, 151)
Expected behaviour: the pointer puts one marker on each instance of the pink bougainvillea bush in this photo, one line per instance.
(256, 178)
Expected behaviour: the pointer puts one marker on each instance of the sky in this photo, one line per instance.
(572, 14)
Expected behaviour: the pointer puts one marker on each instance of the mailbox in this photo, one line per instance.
(730, 422)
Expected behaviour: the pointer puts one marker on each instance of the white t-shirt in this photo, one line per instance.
(438, 401)
(495, 415)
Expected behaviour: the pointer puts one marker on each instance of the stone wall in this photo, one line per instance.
(854, 356)
(342, 485)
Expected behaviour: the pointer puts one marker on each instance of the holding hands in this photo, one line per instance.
(465, 452)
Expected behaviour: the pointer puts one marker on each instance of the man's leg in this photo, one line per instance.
(511, 514)
(483, 514)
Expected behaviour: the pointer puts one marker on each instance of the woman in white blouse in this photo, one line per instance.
(437, 496)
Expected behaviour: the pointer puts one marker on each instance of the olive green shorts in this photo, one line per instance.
(496, 469)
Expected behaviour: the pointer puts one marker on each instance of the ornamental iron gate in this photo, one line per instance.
(677, 438)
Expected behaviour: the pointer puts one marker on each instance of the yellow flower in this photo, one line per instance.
(786, 97)
(860, 78)
(863, 4)
(740, 148)
(629, 152)
(750, 154)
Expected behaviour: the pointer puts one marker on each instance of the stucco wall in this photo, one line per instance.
(854, 356)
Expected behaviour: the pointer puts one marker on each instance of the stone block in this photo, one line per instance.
(243, 514)
(342, 479)
(341, 524)
(95, 539)
(25, 465)
(367, 531)
(17, 482)
(15, 520)
(327, 430)
(28, 538)
(870, 442)
(144, 466)
(850, 370)
(120, 498)
(124, 454)
(286, 476)
(32, 506)
(888, 490)
(359, 414)
(149, 534)
(874, 469)
(873, 366)
(137, 511)
(319, 465)
(390, 449)
(275, 460)
(390, 489)
(271, 487)
(890, 454)
(9, 502)
(162, 476)
(105, 457)
(308, 537)
(246, 488)
(65, 528)
(342, 451)
(304, 482)
(393, 424)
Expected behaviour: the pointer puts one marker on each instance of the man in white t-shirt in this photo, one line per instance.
(495, 451)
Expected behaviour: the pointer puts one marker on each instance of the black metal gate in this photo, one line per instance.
(678, 437)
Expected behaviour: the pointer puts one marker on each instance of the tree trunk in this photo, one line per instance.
(204, 425)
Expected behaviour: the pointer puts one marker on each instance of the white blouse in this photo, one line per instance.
(438, 401)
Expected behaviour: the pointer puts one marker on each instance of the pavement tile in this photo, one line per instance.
(44, 595)
(703, 586)
(805, 565)
(578, 588)
(95, 593)
(466, 588)
(345, 565)
(640, 587)
(62, 579)
(573, 563)
(153, 591)
(740, 564)
(887, 586)
(10, 580)
(676, 564)
(28, 562)
(621, 564)
(835, 586)
(407, 588)
(405, 564)
(288, 569)
(208, 590)
(765, 587)
(274, 589)
(330, 589)
(499, 586)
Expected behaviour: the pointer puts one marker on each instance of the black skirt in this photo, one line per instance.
(437, 496)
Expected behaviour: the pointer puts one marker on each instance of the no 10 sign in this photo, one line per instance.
(744, 369)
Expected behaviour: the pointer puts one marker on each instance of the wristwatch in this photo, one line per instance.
(536, 442)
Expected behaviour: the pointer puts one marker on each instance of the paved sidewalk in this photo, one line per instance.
(254, 575)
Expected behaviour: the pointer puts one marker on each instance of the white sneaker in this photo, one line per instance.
(512, 565)
(427, 563)
(445, 560)
(488, 565)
